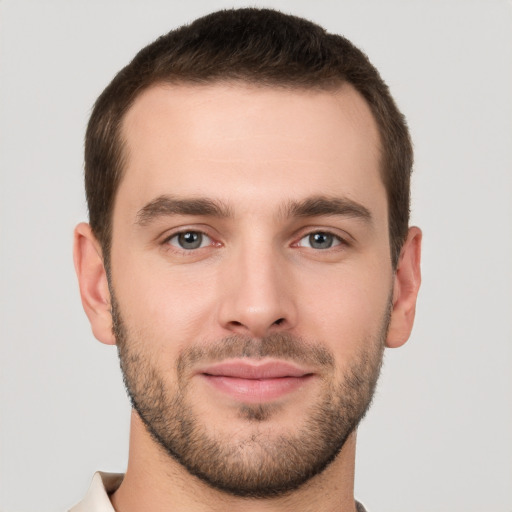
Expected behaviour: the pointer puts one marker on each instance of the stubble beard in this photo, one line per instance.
(262, 465)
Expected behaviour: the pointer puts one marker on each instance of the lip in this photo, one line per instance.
(255, 382)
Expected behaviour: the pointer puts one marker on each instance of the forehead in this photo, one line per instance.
(250, 142)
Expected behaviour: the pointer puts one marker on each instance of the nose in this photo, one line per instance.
(257, 293)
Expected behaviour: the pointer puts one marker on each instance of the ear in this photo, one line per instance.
(405, 291)
(92, 279)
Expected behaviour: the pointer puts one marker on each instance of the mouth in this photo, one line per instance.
(255, 382)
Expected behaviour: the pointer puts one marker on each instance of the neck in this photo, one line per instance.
(154, 478)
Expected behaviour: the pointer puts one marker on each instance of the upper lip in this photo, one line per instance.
(244, 369)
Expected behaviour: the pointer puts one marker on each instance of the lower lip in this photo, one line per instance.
(256, 390)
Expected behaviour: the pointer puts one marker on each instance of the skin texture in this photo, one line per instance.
(262, 157)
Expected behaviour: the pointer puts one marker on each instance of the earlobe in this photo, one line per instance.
(405, 291)
(92, 280)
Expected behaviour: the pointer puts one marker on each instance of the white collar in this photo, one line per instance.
(97, 497)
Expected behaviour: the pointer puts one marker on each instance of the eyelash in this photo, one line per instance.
(337, 241)
(183, 232)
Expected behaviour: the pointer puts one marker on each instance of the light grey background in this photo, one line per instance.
(439, 436)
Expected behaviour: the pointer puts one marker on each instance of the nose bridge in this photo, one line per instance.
(257, 298)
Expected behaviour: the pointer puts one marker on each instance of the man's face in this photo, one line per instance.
(251, 277)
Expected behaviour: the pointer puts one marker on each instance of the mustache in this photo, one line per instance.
(276, 345)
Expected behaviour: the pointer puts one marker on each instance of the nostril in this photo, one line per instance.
(258, 330)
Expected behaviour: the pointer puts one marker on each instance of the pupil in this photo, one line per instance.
(320, 240)
(190, 240)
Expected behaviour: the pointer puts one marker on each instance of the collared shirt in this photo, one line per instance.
(103, 484)
(97, 497)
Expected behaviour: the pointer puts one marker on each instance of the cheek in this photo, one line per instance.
(165, 303)
(349, 310)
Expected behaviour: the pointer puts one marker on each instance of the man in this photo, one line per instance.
(249, 254)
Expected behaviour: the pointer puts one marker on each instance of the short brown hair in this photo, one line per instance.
(260, 46)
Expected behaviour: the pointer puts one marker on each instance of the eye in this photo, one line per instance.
(319, 240)
(190, 240)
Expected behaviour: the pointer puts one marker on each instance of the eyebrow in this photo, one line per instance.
(315, 206)
(167, 205)
(325, 206)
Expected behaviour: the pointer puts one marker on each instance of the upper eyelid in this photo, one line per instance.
(325, 232)
(298, 235)
(341, 235)
(177, 233)
(340, 240)
(172, 232)
(175, 249)
(167, 241)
